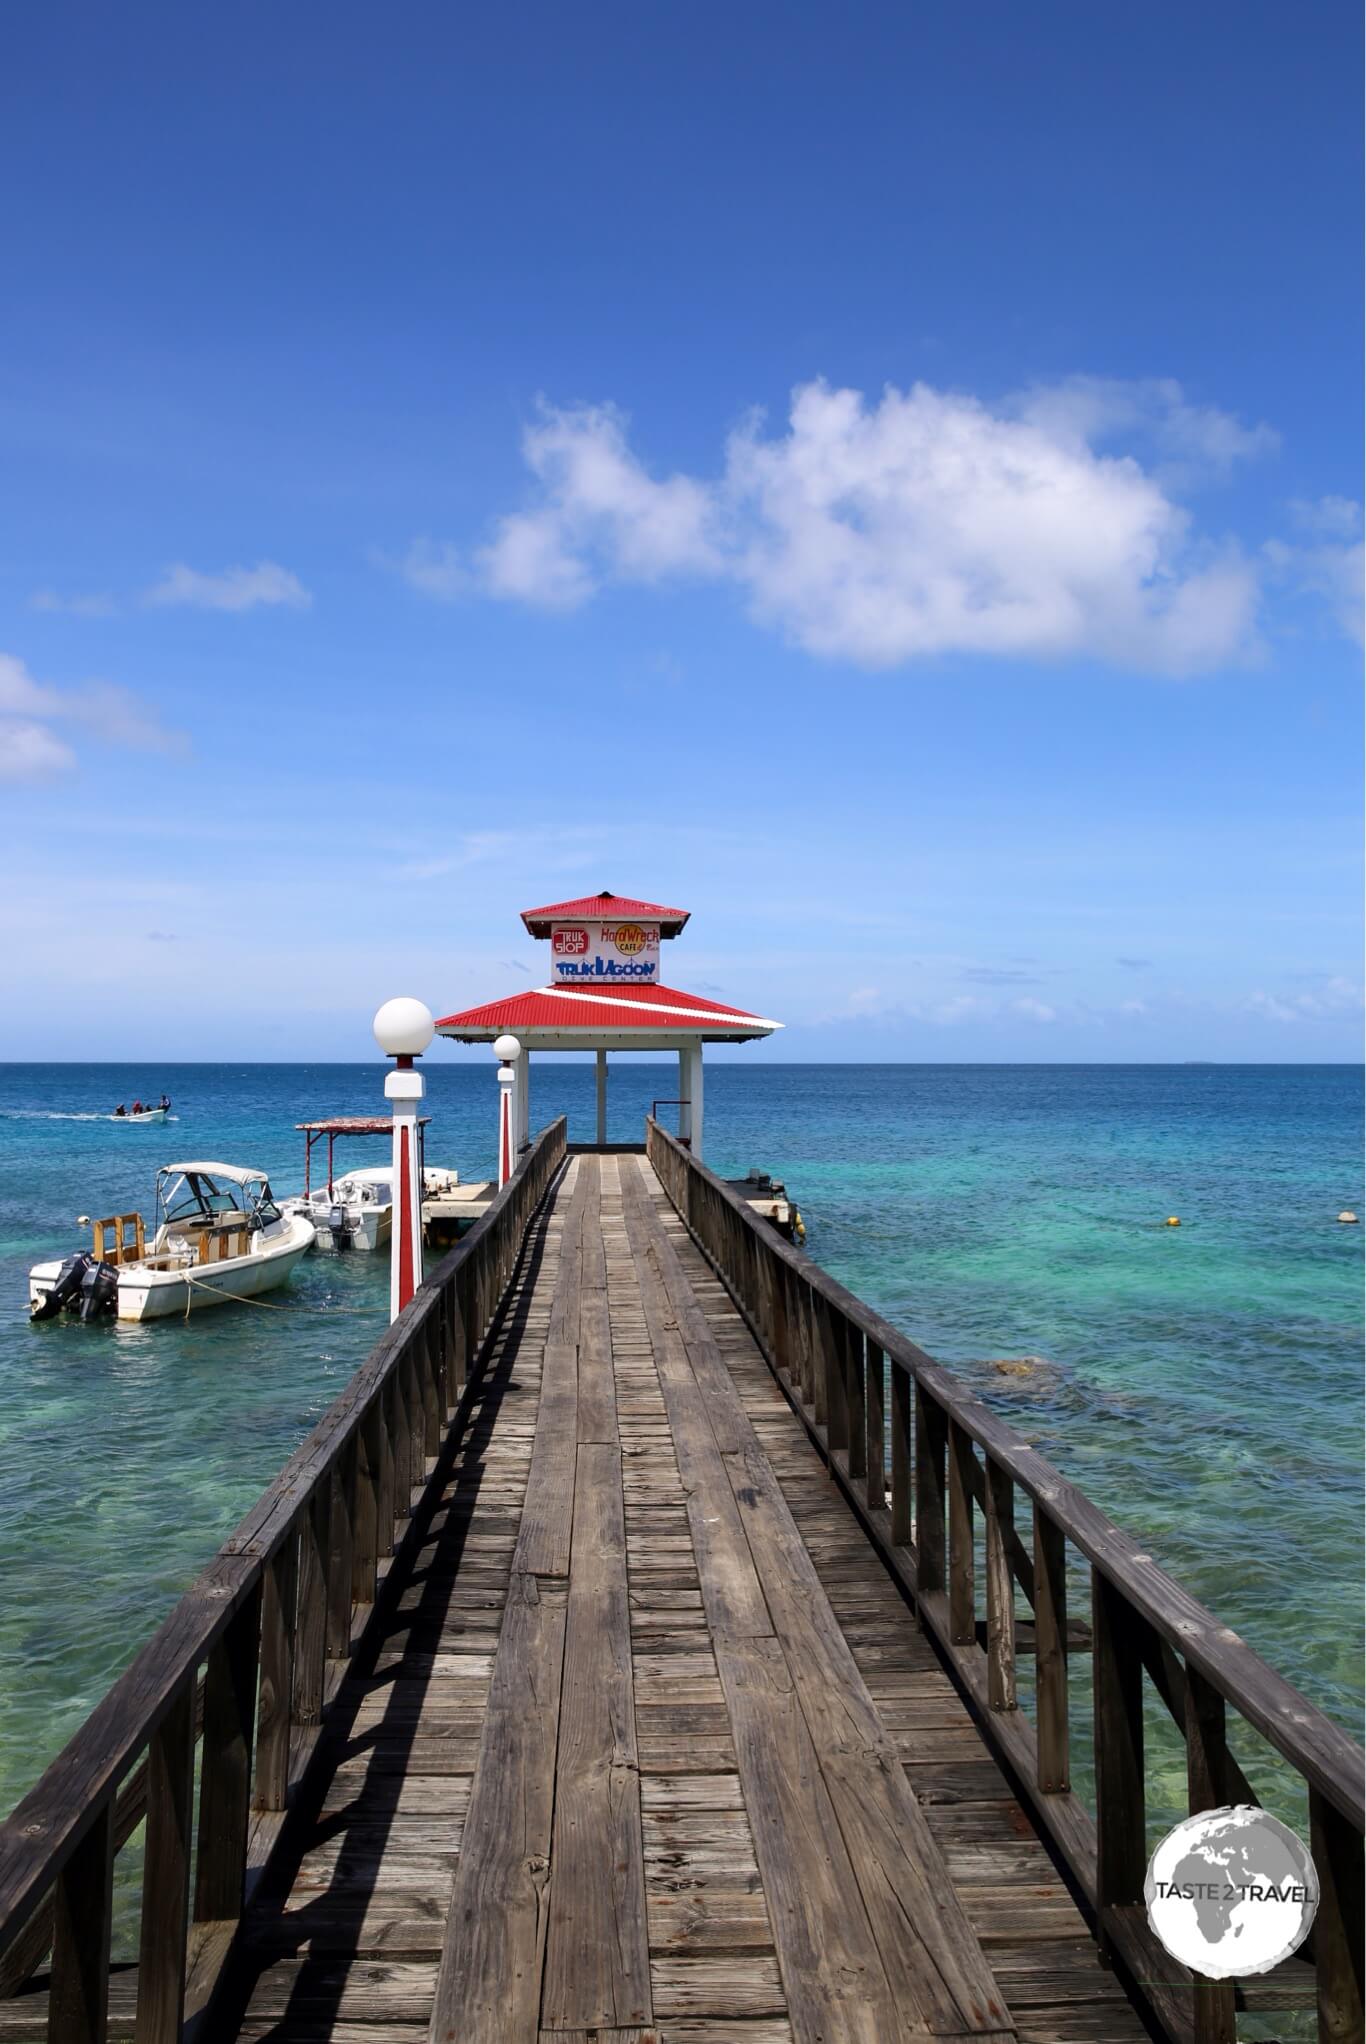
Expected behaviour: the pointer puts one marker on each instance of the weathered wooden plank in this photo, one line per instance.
(489, 1981)
(934, 1962)
(81, 1922)
(225, 1771)
(166, 1873)
(597, 1967)
(832, 1975)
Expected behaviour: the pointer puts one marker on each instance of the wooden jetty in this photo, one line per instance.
(653, 1646)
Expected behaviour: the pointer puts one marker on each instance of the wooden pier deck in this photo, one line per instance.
(649, 1744)
(650, 1724)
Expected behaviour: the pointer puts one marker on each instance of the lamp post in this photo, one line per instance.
(507, 1049)
(403, 1030)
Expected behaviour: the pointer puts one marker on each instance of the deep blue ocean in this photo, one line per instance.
(1203, 1384)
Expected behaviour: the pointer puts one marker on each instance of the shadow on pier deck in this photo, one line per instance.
(639, 1739)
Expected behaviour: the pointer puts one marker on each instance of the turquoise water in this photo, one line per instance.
(1203, 1384)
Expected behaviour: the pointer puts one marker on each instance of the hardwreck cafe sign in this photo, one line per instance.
(605, 954)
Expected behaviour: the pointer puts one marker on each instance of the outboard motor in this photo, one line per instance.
(340, 1228)
(99, 1289)
(66, 1287)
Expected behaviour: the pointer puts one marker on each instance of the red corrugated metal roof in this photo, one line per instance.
(625, 1008)
(597, 906)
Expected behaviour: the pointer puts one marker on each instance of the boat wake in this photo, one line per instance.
(55, 1114)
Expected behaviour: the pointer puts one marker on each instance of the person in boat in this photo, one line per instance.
(137, 1107)
(120, 1109)
(164, 1103)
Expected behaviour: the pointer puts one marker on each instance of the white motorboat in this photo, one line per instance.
(142, 1114)
(357, 1211)
(219, 1235)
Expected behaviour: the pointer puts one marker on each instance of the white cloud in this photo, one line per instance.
(1329, 563)
(435, 569)
(601, 515)
(924, 522)
(232, 589)
(73, 606)
(32, 750)
(1034, 1011)
(1190, 443)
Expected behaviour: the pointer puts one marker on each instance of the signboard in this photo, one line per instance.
(605, 954)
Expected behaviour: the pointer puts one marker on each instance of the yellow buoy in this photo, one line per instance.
(1345, 1215)
(1173, 1220)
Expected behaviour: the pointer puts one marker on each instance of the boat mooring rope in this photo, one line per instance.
(270, 1305)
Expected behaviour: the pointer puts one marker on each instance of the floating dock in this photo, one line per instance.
(636, 1654)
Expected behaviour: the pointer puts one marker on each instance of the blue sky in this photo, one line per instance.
(887, 479)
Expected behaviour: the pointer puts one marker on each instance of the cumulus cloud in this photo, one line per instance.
(600, 514)
(1327, 561)
(232, 589)
(922, 522)
(34, 718)
(95, 605)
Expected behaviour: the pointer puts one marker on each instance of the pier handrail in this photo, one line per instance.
(840, 1361)
(274, 1621)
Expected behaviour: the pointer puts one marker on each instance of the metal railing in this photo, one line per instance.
(273, 1623)
(862, 1387)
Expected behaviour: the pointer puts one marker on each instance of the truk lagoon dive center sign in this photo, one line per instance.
(605, 954)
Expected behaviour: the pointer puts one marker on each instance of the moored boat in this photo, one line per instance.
(357, 1210)
(219, 1235)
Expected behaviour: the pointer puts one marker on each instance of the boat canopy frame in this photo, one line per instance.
(207, 1200)
(351, 1125)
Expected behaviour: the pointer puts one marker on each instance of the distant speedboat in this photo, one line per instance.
(138, 1112)
(219, 1236)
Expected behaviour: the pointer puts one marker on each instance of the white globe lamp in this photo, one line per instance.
(404, 1027)
(507, 1049)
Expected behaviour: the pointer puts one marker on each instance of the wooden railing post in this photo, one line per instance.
(1117, 1669)
(225, 1766)
(365, 1520)
(851, 1349)
(310, 1637)
(385, 1488)
(1000, 1516)
(279, 1614)
(82, 1917)
(1337, 1851)
(875, 1426)
(166, 1872)
(340, 1562)
(1215, 2018)
(931, 1441)
(1050, 1651)
(832, 1402)
(962, 1559)
(901, 1455)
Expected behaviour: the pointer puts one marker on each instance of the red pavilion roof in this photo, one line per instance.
(592, 1014)
(597, 907)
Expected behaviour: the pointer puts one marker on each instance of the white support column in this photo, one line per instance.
(403, 1089)
(695, 1097)
(602, 1099)
(523, 1101)
(685, 1097)
(508, 1052)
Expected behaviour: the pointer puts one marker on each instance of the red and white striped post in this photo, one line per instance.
(507, 1049)
(403, 1030)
